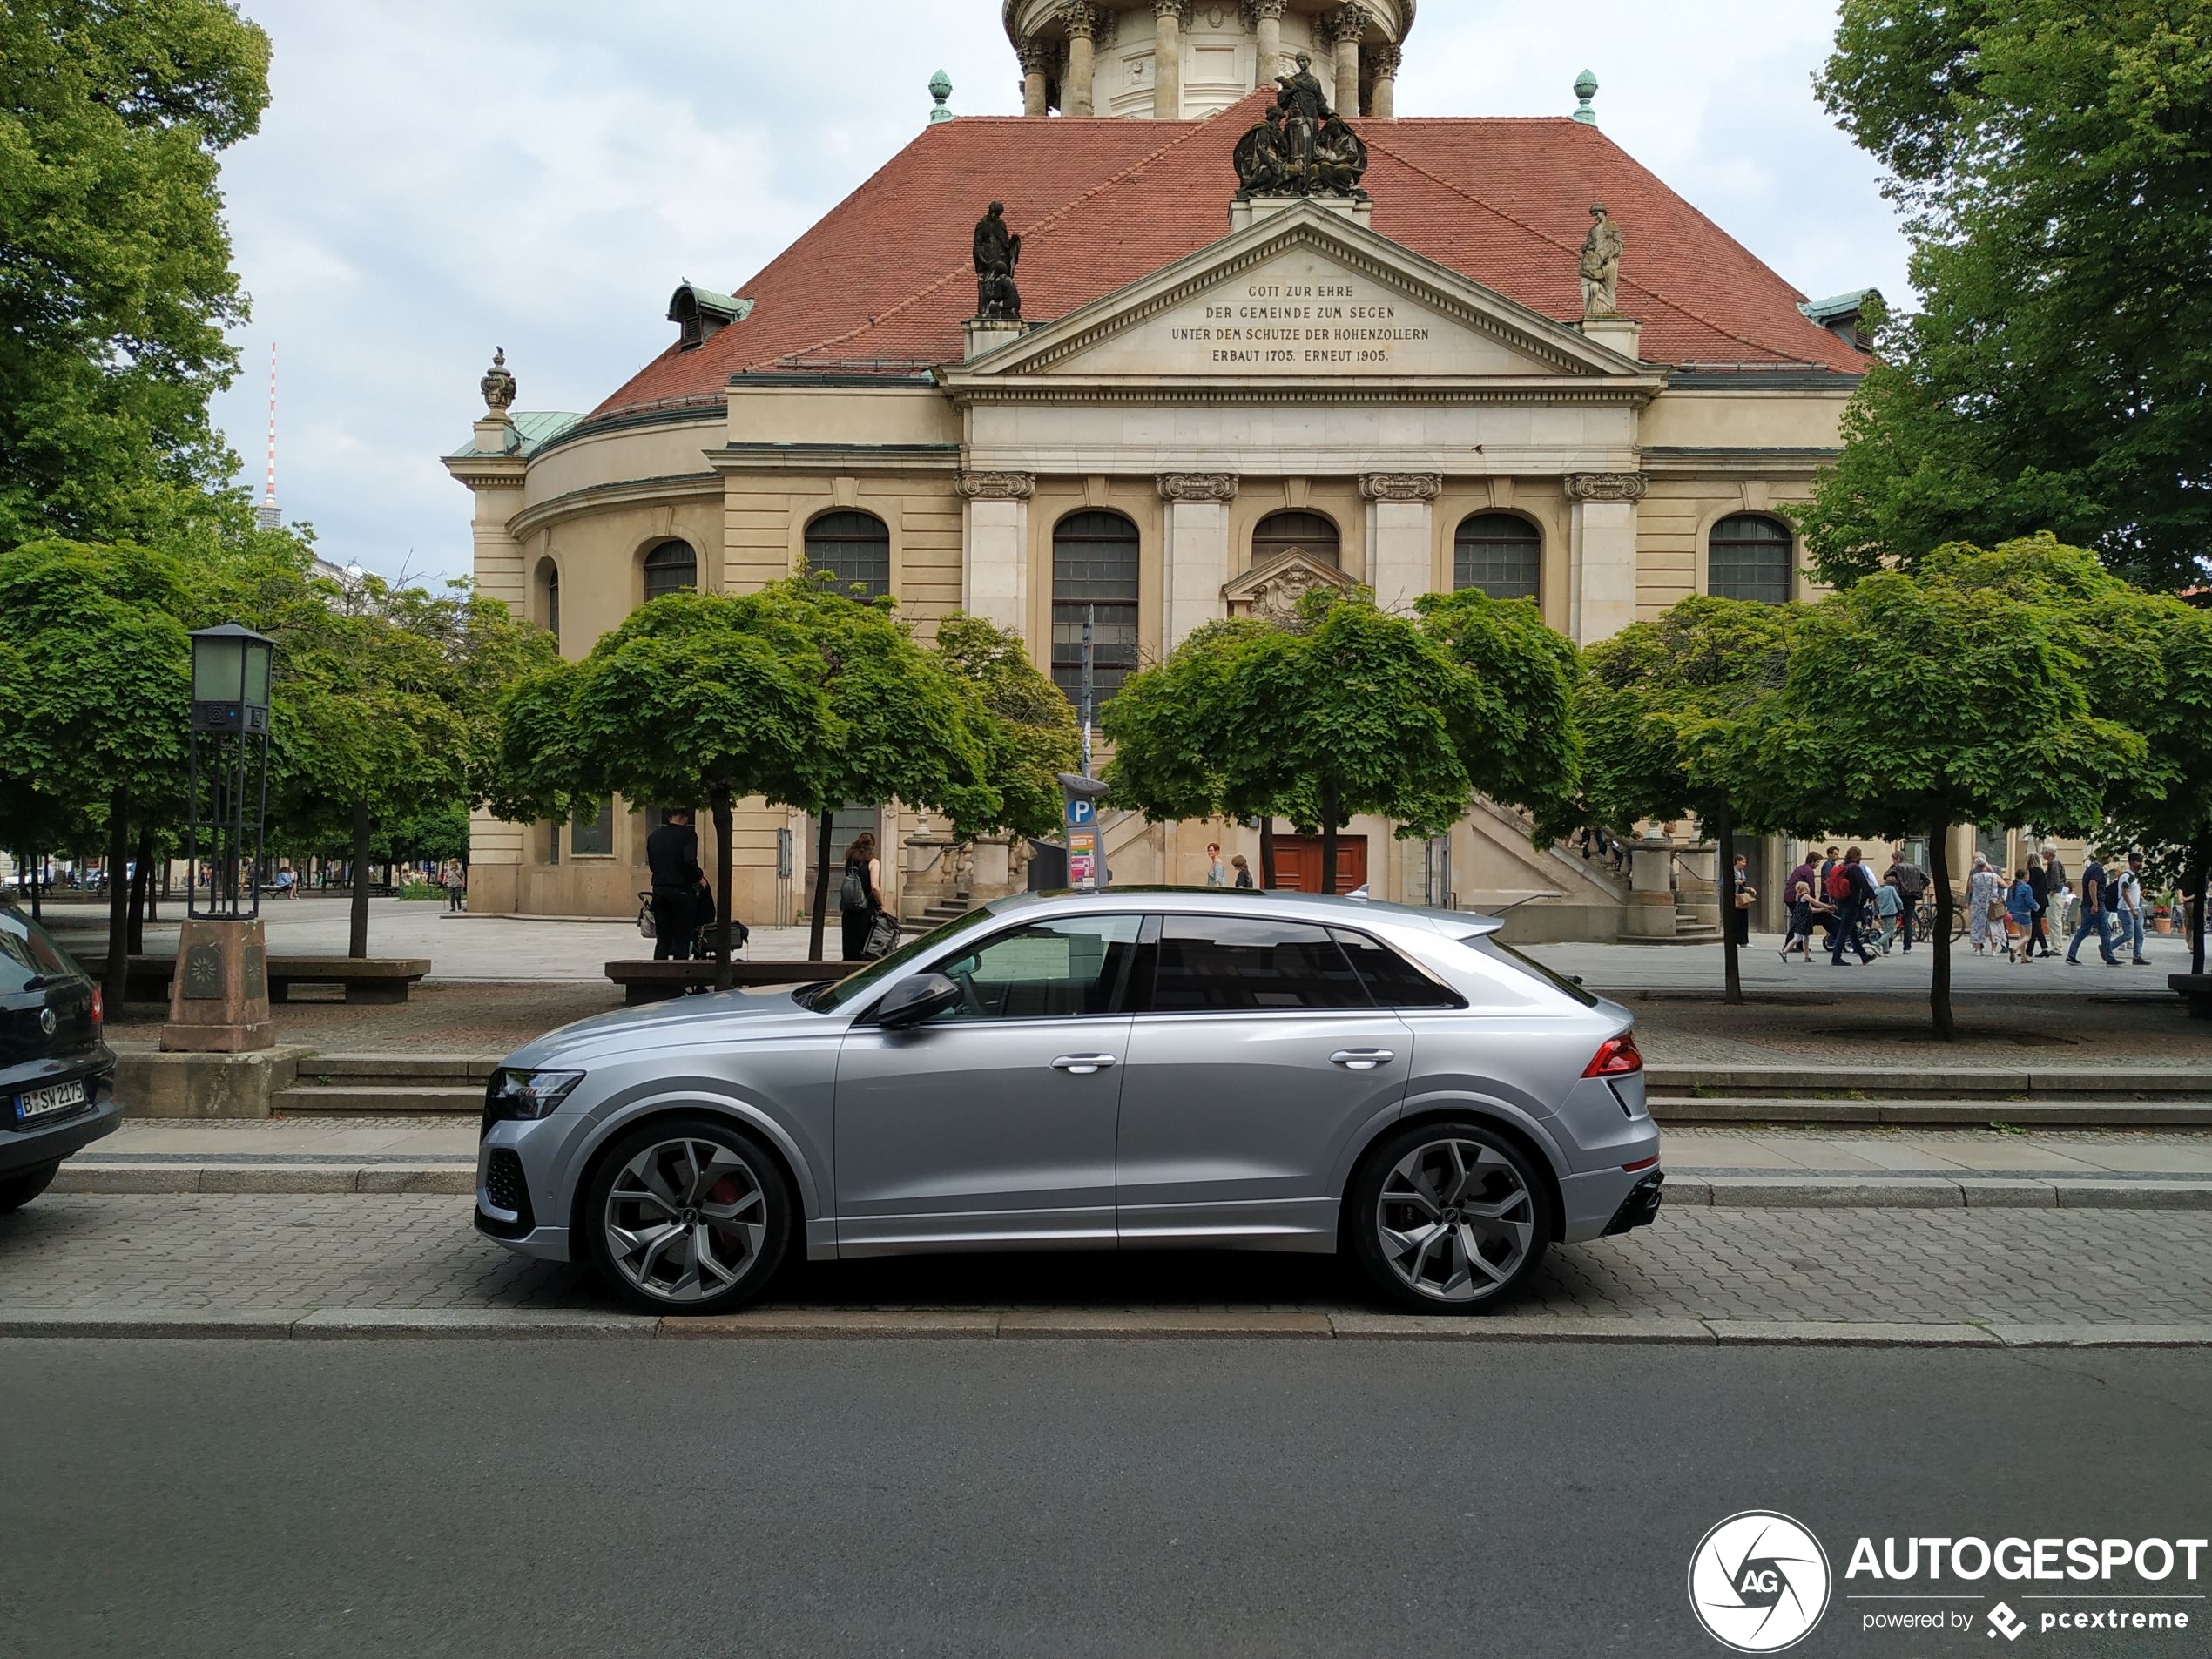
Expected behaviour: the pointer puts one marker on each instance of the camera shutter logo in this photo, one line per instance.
(1759, 1583)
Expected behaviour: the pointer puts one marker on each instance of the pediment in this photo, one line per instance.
(1272, 588)
(1305, 295)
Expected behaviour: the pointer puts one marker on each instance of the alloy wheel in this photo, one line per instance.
(1455, 1220)
(686, 1219)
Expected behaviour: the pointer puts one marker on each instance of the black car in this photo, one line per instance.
(56, 1077)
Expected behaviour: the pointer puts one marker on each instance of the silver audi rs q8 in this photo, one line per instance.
(1142, 1067)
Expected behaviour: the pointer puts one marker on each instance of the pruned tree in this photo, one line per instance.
(1661, 709)
(1025, 728)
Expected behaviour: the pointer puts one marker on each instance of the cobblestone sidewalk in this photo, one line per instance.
(121, 1255)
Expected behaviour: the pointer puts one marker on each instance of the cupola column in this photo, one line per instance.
(1267, 63)
(1385, 97)
(1036, 64)
(1075, 97)
(1347, 24)
(1167, 60)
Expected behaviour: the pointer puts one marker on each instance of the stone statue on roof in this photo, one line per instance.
(998, 249)
(498, 384)
(1340, 159)
(1602, 251)
(1305, 106)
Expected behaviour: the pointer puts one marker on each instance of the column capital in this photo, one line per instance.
(1606, 486)
(1170, 8)
(998, 486)
(1079, 19)
(1401, 486)
(1197, 486)
(1348, 22)
(1038, 56)
(1265, 11)
(1388, 59)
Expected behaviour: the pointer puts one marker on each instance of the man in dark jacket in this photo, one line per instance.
(2039, 886)
(1850, 897)
(1912, 883)
(672, 854)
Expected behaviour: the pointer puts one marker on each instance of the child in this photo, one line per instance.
(1889, 905)
(1802, 906)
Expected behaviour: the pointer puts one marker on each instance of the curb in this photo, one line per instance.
(1716, 1189)
(295, 1324)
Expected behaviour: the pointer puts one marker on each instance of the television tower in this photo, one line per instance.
(269, 515)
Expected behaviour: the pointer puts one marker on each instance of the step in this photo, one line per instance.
(2037, 1113)
(1814, 1080)
(377, 1100)
(399, 1067)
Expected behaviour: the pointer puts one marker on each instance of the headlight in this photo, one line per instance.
(516, 1093)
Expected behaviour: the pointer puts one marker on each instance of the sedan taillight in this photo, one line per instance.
(100, 1006)
(1616, 1057)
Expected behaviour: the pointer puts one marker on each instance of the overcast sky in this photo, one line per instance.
(433, 180)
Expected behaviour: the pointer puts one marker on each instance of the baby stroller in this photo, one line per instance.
(703, 945)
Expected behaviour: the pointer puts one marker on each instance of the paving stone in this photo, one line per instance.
(415, 1177)
(1998, 1192)
(2135, 1195)
(74, 1176)
(275, 1178)
(1743, 1192)
(904, 1323)
(471, 1323)
(2104, 1336)
(200, 1323)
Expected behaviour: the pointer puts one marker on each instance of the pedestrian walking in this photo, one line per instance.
(2096, 915)
(1850, 889)
(672, 857)
(2061, 895)
(2130, 909)
(1828, 868)
(2039, 887)
(1985, 907)
(456, 886)
(859, 894)
(1215, 876)
(1799, 936)
(1911, 887)
(1888, 911)
(1243, 871)
(2022, 914)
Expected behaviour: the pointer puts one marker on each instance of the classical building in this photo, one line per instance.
(1262, 335)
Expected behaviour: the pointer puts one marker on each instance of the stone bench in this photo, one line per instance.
(650, 981)
(2196, 990)
(364, 979)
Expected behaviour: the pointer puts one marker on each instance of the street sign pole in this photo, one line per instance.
(1086, 853)
(1090, 703)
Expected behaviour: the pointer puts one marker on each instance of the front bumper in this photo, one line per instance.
(37, 1144)
(520, 1201)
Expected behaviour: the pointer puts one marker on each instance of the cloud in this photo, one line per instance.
(433, 180)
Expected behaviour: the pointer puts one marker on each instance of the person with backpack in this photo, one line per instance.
(1911, 887)
(859, 895)
(1849, 887)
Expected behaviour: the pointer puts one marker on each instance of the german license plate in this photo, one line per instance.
(48, 1100)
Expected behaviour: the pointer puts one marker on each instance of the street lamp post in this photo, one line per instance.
(219, 1000)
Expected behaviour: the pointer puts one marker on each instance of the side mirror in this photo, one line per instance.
(911, 1000)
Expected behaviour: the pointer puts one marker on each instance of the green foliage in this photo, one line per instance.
(1662, 700)
(115, 282)
(1027, 729)
(2052, 159)
(1521, 746)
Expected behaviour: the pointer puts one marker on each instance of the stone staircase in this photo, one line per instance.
(380, 1084)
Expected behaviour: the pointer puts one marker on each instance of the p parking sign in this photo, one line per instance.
(1086, 858)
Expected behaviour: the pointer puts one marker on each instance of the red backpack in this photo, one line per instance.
(1838, 885)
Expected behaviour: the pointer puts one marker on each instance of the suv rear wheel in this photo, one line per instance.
(689, 1215)
(1449, 1217)
(19, 1189)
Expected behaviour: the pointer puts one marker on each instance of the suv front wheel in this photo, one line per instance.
(689, 1215)
(1449, 1217)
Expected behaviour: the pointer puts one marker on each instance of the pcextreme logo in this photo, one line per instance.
(1759, 1583)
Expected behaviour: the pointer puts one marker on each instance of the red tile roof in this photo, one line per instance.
(883, 283)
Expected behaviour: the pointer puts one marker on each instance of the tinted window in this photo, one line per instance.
(1392, 980)
(1748, 557)
(853, 547)
(1094, 575)
(1215, 963)
(670, 568)
(1489, 946)
(854, 987)
(1497, 553)
(27, 953)
(1074, 966)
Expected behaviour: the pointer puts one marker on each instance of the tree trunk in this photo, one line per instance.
(141, 891)
(825, 835)
(1946, 907)
(1267, 853)
(2198, 879)
(1732, 965)
(357, 936)
(37, 882)
(722, 891)
(1328, 838)
(118, 897)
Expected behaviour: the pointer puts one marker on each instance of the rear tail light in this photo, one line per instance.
(1615, 1058)
(100, 1006)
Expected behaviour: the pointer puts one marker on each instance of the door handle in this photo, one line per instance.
(1361, 1059)
(1083, 1064)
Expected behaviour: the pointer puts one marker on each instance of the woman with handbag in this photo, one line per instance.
(1985, 908)
(859, 895)
(1742, 896)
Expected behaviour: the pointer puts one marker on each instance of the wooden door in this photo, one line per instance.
(1297, 863)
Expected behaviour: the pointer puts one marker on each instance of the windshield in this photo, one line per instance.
(1489, 945)
(854, 987)
(26, 954)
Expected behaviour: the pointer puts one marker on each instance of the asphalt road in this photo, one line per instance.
(958, 1499)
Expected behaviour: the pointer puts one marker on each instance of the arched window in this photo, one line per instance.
(548, 591)
(1500, 553)
(1094, 573)
(670, 568)
(1749, 556)
(1308, 532)
(854, 548)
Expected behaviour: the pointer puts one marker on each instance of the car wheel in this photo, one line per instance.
(1449, 1217)
(18, 1190)
(689, 1215)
